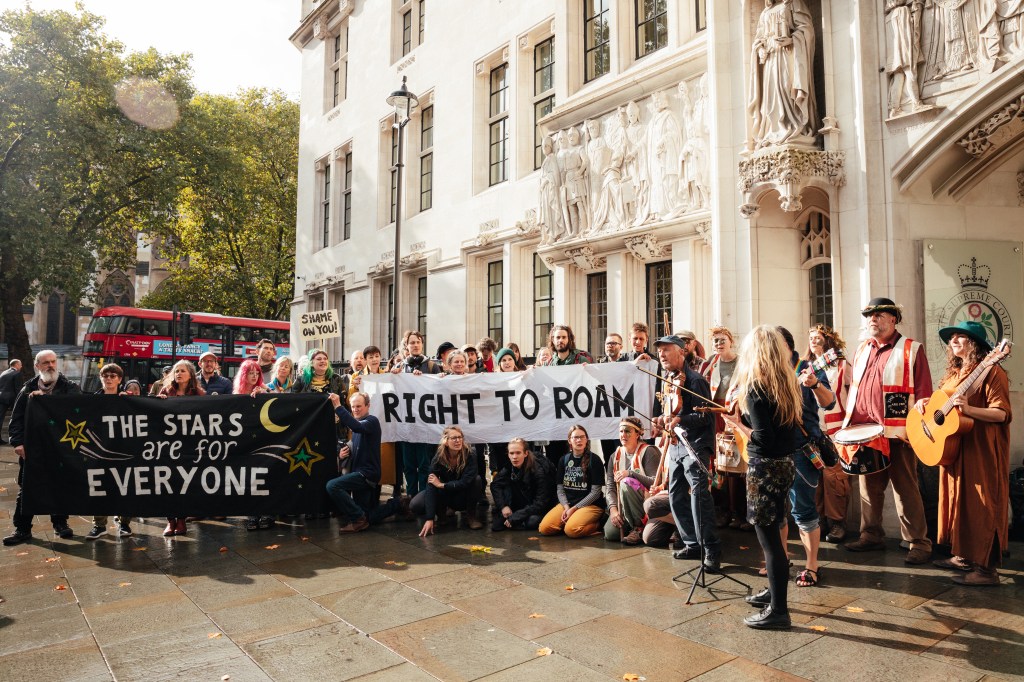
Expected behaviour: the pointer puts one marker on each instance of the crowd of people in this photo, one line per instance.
(746, 436)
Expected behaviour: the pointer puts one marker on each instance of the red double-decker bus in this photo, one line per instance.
(139, 340)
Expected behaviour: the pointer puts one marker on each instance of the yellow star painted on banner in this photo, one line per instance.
(74, 434)
(302, 457)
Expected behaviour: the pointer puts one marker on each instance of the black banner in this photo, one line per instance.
(203, 456)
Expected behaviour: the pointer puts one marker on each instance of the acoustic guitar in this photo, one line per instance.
(935, 435)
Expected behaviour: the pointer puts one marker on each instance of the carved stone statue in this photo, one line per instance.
(664, 151)
(635, 165)
(1000, 31)
(780, 100)
(551, 220)
(951, 37)
(903, 45)
(694, 183)
(605, 165)
(572, 164)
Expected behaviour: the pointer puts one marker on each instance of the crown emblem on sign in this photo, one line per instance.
(974, 276)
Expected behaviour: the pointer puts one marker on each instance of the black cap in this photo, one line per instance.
(883, 305)
(444, 348)
(671, 339)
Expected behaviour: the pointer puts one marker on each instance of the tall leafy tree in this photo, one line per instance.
(234, 225)
(78, 177)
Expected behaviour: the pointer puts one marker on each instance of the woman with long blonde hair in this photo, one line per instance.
(453, 482)
(771, 404)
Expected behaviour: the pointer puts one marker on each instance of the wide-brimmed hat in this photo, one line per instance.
(968, 328)
(883, 305)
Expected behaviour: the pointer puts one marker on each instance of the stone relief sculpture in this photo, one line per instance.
(694, 180)
(572, 165)
(635, 164)
(605, 165)
(951, 38)
(780, 103)
(552, 227)
(664, 152)
(903, 47)
(1000, 31)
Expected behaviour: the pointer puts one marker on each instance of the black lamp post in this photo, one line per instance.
(404, 103)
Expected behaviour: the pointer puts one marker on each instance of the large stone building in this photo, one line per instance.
(598, 162)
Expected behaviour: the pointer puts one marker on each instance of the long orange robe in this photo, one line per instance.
(974, 491)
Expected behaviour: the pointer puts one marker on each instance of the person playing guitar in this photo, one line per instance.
(974, 489)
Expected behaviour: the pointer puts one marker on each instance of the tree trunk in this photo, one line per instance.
(14, 293)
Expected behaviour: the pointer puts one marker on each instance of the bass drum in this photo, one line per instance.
(861, 460)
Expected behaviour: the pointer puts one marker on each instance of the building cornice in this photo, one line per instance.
(315, 24)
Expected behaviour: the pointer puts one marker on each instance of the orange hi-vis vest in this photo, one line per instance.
(898, 395)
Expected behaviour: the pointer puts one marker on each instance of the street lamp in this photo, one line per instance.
(404, 103)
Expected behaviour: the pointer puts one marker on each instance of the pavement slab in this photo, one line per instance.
(387, 605)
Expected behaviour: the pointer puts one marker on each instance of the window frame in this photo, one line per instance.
(543, 99)
(597, 311)
(496, 311)
(406, 20)
(498, 157)
(658, 287)
(346, 198)
(604, 47)
(426, 158)
(324, 209)
(542, 303)
(642, 22)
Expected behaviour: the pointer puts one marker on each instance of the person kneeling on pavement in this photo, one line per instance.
(523, 490)
(452, 482)
(629, 475)
(353, 493)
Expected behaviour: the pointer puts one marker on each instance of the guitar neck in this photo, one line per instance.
(967, 383)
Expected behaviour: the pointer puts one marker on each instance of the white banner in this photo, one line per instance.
(541, 403)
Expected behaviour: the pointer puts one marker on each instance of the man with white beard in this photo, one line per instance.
(47, 381)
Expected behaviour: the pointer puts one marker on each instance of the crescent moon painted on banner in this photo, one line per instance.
(265, 418)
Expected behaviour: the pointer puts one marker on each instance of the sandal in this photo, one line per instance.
(954, 563)
(807, 577)
(763, 571)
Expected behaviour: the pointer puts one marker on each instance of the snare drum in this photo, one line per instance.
(860, 460)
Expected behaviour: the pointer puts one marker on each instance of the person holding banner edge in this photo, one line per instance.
(352, 493)
(110, 378)
(181, 381)
(47, 381)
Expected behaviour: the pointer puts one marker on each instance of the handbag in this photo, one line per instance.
(829, 454)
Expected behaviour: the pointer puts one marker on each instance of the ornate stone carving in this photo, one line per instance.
(695, 184)
(1020, 188)
(583, 257)
(645, 247)
(414, 258)
(664, 151)
(749, 210)
(787, 169)
(781, 88)
(528, 226)
(320, 28)
(996, 130)
(703, 230)
(575, 199)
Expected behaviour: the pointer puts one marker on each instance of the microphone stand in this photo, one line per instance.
(700, 580)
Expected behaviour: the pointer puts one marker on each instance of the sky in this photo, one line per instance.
(235, 43)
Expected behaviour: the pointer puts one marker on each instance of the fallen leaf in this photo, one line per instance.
(61, 588)
(271, 546)
(223, 549)
(52, 559)
(395, 563)
(854, 609)
(304, 538)
(2, 489)
(215, 635)
(742, 547)
(139, 549)
(631, 677)
(225, 678)
(21, 554)
(536, 615)
(819, 628)
(124, 584)
(570, 588)
(546, 651)
(40, 576)
(533, 538)
(480, 548)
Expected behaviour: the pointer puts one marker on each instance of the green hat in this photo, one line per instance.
(502, 353)
(970, 329)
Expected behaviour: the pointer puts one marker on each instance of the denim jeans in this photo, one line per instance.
(802, 494)
(686, 475)
(352, 494)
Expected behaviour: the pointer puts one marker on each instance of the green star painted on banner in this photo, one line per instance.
(74, 434)
(303, 457)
